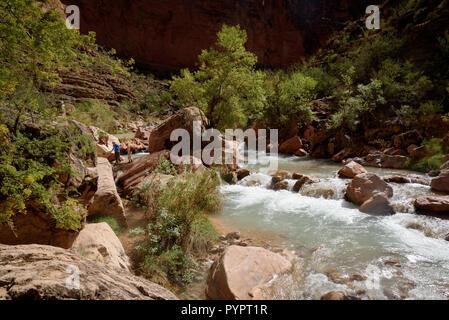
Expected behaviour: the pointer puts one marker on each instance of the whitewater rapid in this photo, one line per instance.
(332, 236)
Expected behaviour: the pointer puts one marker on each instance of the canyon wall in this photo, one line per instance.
(166, 35)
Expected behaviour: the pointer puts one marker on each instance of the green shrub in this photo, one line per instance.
(325, 83)
(139, 231)
(288, 97)
(372, 53)
(179, 229)
(112, 222)
(358, 108)
(433, 161)
(95, 113)
(165, 167)
(402, 85)
(30, 166)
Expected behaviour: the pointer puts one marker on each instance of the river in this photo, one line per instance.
(399, 256)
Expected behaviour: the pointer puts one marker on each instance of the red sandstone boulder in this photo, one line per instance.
(99, 243)
(39, 272)
(366, 185)
(159, 138)
(241, 270)
(343, 154)
(35, 226)
(381, 160)
(432, 205)
(104, 143)
(106, 200)
(338, 295)
(402, 180)
(405, 139)
(378, 205)
(242, 173)
(351, 169)
(138, 170)
(441, 183)
(142, 133)
(418, 152)
(291, 146)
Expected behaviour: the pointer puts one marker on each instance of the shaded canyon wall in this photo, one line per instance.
(166, 35)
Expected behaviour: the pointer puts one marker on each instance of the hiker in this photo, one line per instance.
(130, 149)
(116, 150)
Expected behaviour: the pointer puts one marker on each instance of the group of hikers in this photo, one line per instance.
(116, 150)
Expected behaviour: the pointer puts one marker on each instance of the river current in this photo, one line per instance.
(403, 256)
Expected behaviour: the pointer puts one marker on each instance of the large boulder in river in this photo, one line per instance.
(351, 169)
(106, 200)
(441, 183)
(432, 205)
(378, 205)
(366, 185)
(99, 243)
(241, 270)
(38, 272)
(159, 138)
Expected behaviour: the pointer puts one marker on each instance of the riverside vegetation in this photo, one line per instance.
(366, 73)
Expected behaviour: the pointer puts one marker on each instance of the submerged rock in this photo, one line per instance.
(241, 270)
(403, 179)
(281, 185)
(366, 185)
(303, 181)
(282, 174)
(318, 191)
(38, 272)
(338, 295)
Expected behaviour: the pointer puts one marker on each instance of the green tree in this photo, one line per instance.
(226, 85)
(288, 97)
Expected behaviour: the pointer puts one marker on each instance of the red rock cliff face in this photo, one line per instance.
(167, 35)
